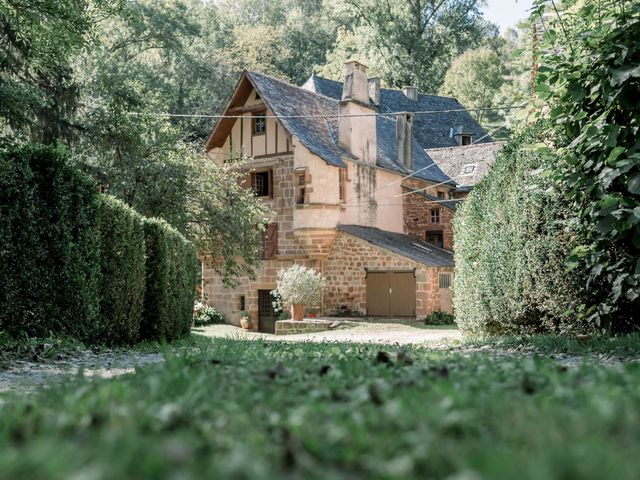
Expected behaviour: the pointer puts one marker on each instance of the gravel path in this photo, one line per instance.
(403, 333)
(27, 375)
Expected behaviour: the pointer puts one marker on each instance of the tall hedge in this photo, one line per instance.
(49, 245)
(172, 272)
(511, 250)
(123, 274)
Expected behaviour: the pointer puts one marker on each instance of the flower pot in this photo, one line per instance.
(313, 315)
(297, 311)
(245, 323)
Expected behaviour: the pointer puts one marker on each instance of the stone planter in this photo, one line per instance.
(297, 311)
(245, 323)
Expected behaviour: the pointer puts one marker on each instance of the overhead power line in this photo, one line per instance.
(332, 115)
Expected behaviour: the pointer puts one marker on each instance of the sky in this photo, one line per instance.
(506, 13)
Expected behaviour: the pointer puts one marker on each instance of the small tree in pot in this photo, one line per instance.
(298, 287)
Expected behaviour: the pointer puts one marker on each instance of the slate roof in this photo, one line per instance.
(430, 130)
(453, 160)
(416, 250)
(320, 134)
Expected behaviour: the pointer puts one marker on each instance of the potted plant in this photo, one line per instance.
(313, 313)
(298, 287)
(245, 321)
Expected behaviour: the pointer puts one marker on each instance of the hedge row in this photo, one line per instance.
(74, 262)
(511, 250)
(172, 266)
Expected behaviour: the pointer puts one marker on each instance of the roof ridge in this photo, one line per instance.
(485, 144)
(292, 85)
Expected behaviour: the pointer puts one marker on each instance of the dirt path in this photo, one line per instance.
(403, 333)
(21, 375)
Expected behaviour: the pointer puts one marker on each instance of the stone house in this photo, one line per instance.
(355, 194)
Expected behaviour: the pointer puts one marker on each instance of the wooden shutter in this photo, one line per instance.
(271, 183)
(271, 247)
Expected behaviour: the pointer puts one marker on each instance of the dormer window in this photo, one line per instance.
(259, 121)
(468, 169)
(465, 139)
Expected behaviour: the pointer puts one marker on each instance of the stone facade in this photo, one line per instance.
(416, 211)
(345, 273)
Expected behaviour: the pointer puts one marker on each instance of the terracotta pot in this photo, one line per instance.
(297, 311)
(245, 323)
(313, 315)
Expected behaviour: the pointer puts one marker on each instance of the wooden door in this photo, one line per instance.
(266, 316)
(402, 294)
(391, 294)
(378, 294)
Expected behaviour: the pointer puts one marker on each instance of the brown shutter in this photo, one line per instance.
(271, 241)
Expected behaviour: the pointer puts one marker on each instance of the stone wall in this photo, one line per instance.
(344, 270)
(416, 211)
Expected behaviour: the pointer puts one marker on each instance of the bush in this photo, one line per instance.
(123, 275)
(298, 285)
(439, 318)
(204, 314)
(171, 273)
(510, 251)
(49, 245)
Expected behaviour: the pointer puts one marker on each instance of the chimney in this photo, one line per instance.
(357, 120)
(355, 85)
(374, 90)
(411, 93)
(404, 139)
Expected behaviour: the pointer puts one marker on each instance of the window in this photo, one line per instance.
(242, 304)
(261, 182)
(444, 280)
(465, 139)
(301, 190)
(468, 169)
(435, 215)
(441, 195)
(259, 121)
(435, 238)
(342, 184)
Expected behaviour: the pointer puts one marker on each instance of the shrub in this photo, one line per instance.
(123, 275)
(298, 285)
(204, 314)
(439, 318)
(49, 245)
(171, 273)
(510, 251)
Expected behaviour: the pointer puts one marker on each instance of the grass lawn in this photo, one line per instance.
(251, 409)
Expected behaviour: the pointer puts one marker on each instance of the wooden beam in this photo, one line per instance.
(247, 109)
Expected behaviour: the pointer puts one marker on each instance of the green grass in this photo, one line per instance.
(237, 409)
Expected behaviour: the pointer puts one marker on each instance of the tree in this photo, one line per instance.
(474, 79)
(38, 38)
(412, 42)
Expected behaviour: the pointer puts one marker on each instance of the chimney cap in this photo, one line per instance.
(410, 92)
(356, 62)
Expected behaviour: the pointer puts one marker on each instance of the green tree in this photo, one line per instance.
(412, 42)
(38, 39)
(475, 78)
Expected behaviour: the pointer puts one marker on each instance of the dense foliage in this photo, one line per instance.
(49, 245)
(122, 272)
(172, 273)
(439, 318)
(511, 249)
(590, 78)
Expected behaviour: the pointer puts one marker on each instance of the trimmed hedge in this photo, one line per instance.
(49, 245)
(172, 271)
(511, 246)
(74, 262)
(123, 274)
